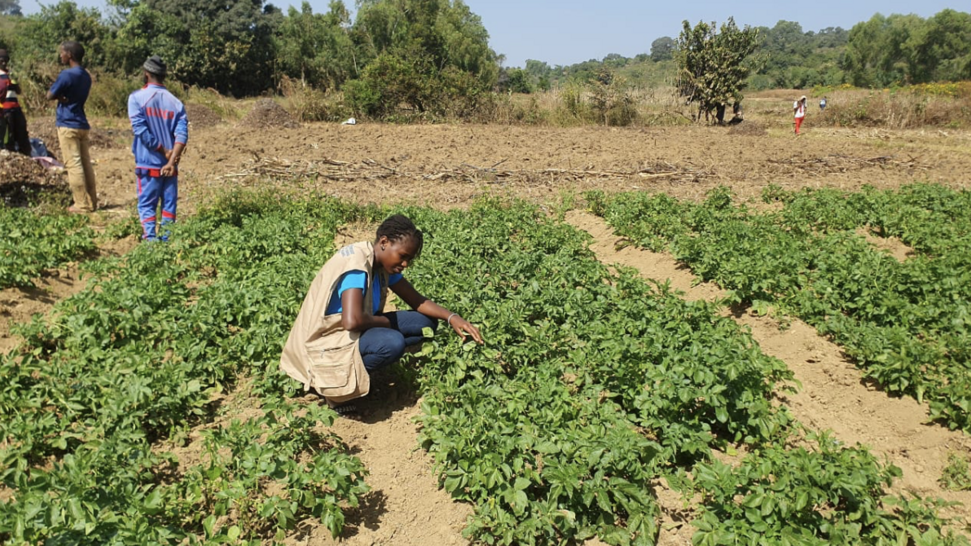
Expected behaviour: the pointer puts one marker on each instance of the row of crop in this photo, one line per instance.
(138, 357)
(592, 386)
(906, 324)
(31, 242)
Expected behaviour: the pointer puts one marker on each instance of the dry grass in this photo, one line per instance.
(903, 108)
(573, 105)
(896, 109)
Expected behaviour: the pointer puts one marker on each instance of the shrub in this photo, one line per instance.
(308, 103)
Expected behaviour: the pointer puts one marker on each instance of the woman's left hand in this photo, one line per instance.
(465, 328)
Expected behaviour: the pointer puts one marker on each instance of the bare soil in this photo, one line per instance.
(201, 117)
(450, 166)
(266, 114)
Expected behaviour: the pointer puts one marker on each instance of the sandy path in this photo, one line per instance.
(405, 506)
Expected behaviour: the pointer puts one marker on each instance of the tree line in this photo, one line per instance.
(881, 52)
(434, 55)
(425, 53)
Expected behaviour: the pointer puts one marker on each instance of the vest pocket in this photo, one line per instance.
(332, 368)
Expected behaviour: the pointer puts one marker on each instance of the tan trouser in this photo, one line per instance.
(77, 160)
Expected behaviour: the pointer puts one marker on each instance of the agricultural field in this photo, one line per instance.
(693, 336)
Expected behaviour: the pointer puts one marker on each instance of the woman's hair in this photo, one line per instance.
(400, 227)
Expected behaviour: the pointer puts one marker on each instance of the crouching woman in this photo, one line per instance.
(342, 332)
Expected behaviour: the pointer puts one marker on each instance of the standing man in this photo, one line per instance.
(13, 123)
(161, 130)
(799, 109)
(70, 90)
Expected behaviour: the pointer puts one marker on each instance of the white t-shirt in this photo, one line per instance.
(800, 109)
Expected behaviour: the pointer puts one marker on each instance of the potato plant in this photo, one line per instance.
(33, 242)
(591, 387)
(139, 356)
(906, 324)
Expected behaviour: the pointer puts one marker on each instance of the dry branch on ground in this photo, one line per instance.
(368, 169)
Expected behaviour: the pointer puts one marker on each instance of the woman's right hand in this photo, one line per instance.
(465, 328)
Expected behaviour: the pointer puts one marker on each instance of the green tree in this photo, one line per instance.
(883, 51)
(515, 80)
(10, 7)
(663, 49)
(317, 48)
(38, 36)
(944, 53)
(539, 73)
(225, 45)
(788, 57)
(712, 67)
(430, 55)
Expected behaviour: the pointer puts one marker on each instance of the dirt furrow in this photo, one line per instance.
(405, 505)
(833, 393)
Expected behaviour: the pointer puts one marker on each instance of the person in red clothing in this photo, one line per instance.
(799, 110)
(13, 123)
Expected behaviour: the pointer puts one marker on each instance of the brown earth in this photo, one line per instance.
(101, 137)
(201, 117)
(267, 114)
(22, 177)
(449, 166)
(748, 128)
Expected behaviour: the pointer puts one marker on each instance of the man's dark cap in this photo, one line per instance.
(4, 54)
(155, 65)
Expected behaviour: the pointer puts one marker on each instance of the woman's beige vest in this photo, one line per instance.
(319, 352)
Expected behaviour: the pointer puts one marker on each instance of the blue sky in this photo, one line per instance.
(570, 31)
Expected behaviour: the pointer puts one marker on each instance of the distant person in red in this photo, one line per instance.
(13, 123)
(799, 109)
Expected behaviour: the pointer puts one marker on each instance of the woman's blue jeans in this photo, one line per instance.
(382, 347)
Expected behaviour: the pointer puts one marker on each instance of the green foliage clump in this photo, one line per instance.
(315, 48)
(906, 324)
(431, 57)
(140, 356)
(957, 473)
(789, 58)
(35, 242)
(820, 495)
(908, 49)
(711, 65)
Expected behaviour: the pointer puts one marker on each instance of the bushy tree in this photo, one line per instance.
(226, 45)
(905, 49)
(663, 49)
(317, 48)
(944, 52)
(539, 73)
(788, 57)
(515, 80)
(711, 65)
(38, 36)
(10, 7)
(430, 55)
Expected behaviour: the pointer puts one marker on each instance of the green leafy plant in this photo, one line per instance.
(957, 473)
(34, 242)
